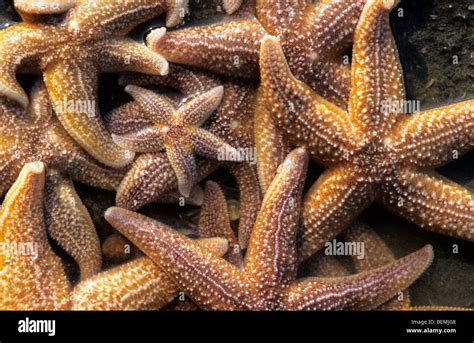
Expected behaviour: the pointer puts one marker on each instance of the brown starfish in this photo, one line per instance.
(72, 53)
(267, 280)
(373, 151)
(232, 122)
(178, 132)
(313, 36)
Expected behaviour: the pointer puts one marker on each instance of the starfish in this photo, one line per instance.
(36, 135)
(232, 122)
(137, 285)
(178, 132)
(31, 275)
(373, 151)
(267, 280)
(314, 38)
(71, 54)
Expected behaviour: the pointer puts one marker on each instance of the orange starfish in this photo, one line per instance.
(373, 151)
(267, 280)
(71, 54)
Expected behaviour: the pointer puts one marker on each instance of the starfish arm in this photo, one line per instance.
(214, 221)
(436, 136)
(376, 254)
(35, 279)
(334, 201)
(329, 267)
(14, 52)
(211, 282)
(198, 109)
(209, 145)
(150, 177)
(29, 10)
(231, 6)
(271, 260)
(70, 225)
(147, 139)
(230, 48)
(249, 199)
(183, 161)
(377, 79)
(125, 54)
(363, 291)
(188, 82)
(270, 143)
(279, 15)
(68, 82)
(306, 118)
(432, 202)
(127, 118)
(107, 18)
(133, 286)
(332, 81)
(158, 108)
(63, 154)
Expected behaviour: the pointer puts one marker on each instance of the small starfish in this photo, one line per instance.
(313, 36)
(137, 285)
(214, 221)
(31, 275)
(178, 132)
(267, 280)
(372, 152)
(232, 122)
(71, 55)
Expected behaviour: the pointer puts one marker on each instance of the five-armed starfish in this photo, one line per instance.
(72, 53)
(178, 132)
(267, 280)
(232, 122)
(373, 151)
(313, 37)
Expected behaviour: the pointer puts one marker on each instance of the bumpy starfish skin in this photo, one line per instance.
(313, 39)
(30, 10)
(34, 278)
(231, 6)
(232, 122)
(214, 221)
(36, 135)
(70, 224)
(373, 152)
(71, 55)
(267, 280)
(178, 132)
(136, 285)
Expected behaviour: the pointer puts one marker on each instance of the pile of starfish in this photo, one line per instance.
(270, 78)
